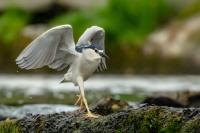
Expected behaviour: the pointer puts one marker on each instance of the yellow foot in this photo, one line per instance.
(80, 100)
(90, 115)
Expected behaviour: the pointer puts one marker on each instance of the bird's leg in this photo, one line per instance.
(80, 100)
(81, 87)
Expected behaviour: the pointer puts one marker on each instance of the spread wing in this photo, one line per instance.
(95, 36)
(54, 48)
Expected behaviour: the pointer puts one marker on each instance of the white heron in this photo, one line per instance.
(56, 49)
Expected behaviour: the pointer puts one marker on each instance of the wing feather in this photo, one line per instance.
(46, 50)
(96, 36)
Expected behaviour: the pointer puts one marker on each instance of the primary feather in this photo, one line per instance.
(54, 48)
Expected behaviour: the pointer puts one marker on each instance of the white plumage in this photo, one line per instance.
(56, 49)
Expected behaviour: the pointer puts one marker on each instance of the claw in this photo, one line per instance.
(81, 101)
(90, 115)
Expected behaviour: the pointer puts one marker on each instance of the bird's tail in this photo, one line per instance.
(63, 81)
(67, 78)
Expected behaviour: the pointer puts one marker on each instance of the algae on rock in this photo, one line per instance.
(123, 119)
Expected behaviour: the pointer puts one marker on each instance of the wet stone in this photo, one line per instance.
(123, 119)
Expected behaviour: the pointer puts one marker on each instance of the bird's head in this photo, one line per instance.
(101, 53)
(90, 54)
(90, 48)
(93, 53)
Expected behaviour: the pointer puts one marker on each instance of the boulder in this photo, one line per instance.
(125, 118)
(180, 39)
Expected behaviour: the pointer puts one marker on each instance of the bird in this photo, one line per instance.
(56, 49)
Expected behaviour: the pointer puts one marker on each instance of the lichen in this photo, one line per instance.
(9, 126)
(192, 126)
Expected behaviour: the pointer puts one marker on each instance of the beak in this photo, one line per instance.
(102, 54)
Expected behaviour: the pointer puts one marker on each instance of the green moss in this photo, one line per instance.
(142, 120)
(174, 123)
(150, 121)
(192, 126)
(9, 126)
(41, 123)
(153, 119)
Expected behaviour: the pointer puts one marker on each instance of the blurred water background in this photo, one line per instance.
(153, 48)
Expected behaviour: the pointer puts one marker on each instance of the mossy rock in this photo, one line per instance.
(9, 126)
(115, 116)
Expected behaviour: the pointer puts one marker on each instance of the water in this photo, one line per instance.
(34, 84)
(19, 112)
(116, 84)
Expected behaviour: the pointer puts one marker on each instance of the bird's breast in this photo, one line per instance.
(87, 67)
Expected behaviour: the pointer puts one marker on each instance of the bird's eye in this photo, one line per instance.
(96, 50)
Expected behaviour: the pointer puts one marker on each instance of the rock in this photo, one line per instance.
(126, 119)
(2, 118)
(109, 105)
(163, 101)
(177, 40)
(186, 98)
(194, 101)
